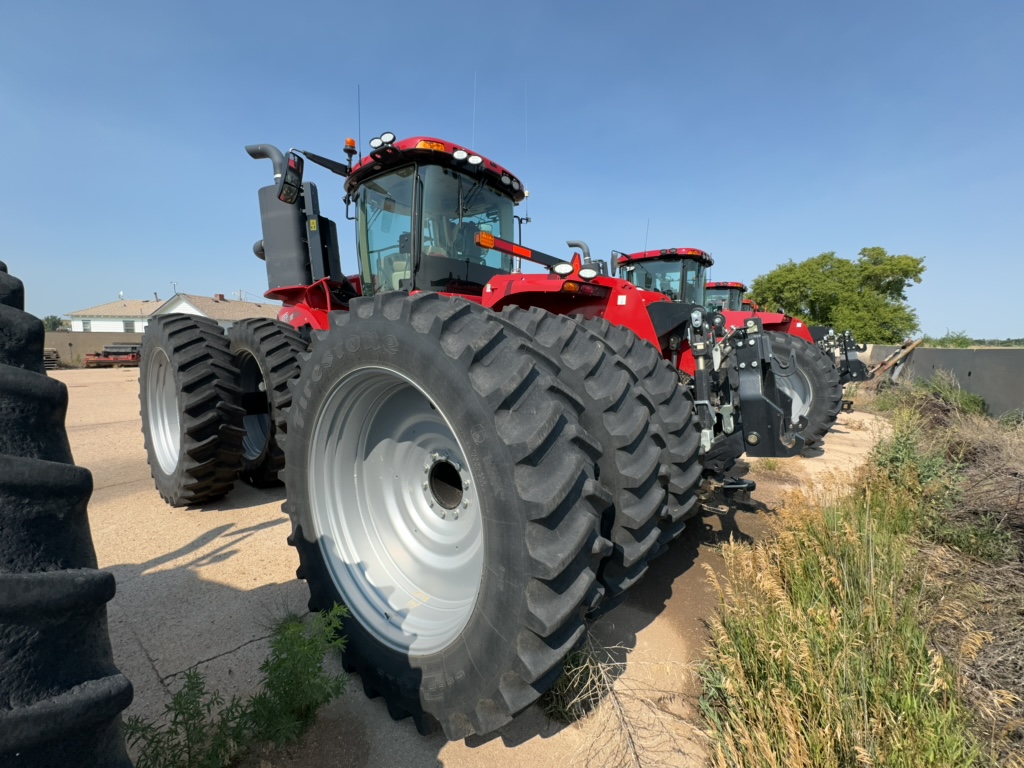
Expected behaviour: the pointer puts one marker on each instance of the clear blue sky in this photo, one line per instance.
(758, 131)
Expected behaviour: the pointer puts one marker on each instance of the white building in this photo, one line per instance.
(132, 315)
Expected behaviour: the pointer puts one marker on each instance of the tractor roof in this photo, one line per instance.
(439, 152)
(713, 286)
(685, 253)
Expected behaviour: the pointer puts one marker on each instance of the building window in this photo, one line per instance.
(129, 326)
(87, 325)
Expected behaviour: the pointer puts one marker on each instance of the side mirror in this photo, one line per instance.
(290, 183)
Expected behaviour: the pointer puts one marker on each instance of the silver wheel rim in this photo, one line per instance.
(256, 425)
(164, 422)
(395, 510)
(795, 385)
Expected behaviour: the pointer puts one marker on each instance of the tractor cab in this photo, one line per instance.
(421, 205)
(725, 297)
(678, 273)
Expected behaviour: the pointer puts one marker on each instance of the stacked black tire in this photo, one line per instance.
(60, 694)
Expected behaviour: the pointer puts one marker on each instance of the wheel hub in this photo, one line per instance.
(395, 511)
(444, 485)
(164, 424)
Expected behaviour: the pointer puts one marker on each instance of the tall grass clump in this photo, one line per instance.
(885, 627)
(820, 655)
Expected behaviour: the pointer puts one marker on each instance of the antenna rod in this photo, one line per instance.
(359, 121)
(647, 232)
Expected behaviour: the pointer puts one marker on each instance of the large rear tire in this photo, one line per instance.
(439, 485)
(813, 387)
(616, 413)
(191, 412)
(674, 413)
(267, 358)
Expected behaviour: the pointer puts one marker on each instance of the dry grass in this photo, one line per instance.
(978, 623)
(885, 628)
(820, 656)
(635, 718)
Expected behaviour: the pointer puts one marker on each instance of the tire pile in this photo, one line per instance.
(61, 696)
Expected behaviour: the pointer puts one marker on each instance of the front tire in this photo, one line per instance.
(440, 486)
(813, 386)
(191, 417)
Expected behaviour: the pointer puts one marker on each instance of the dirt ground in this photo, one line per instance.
(201, 587)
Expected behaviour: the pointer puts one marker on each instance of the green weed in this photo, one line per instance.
(203, 732)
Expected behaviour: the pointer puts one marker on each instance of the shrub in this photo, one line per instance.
(202, 732)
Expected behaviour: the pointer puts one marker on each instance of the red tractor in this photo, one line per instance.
(806, 374)
(475, 458)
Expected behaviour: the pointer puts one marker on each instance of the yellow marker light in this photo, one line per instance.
(570, 287)
(350, 143)
(485, 239)
(437, 146)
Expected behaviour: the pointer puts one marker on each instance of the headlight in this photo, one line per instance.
(388, 137)
(475, 160)
(564, 269)
(460, 154)
(588, 273)
(697, 318)
(376, 143)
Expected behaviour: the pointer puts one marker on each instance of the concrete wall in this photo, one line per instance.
(73, 346)
(997, 375)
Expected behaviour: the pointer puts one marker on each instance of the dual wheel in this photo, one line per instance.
(213, 404)
(471, 485)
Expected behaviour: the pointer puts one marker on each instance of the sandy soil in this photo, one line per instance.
(201, 586)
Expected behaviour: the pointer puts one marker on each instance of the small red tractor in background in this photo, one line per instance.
(726, 296)
(475, 458)
(802, 370)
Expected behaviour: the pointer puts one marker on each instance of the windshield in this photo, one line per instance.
(457, 206)
(682, 280)
(438, 244)
(719, 299)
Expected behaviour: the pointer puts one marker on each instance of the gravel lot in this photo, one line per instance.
(200, 586)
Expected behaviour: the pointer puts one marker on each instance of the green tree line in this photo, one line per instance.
(866, 295)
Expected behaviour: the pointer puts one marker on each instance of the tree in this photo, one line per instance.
(53, 323)
(867, 296)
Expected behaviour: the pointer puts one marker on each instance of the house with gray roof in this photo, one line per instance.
(132, 315)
